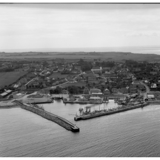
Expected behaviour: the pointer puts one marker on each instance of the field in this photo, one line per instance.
(7, 78)
(108, 56)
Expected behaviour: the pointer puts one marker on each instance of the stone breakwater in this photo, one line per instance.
(47, 115)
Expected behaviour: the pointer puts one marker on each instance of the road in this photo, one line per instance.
(140, 82)
(31, 80)
(78, 75)
(147, 88)
(68, 81)
(58, 85)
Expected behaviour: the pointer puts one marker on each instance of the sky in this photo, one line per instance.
(30, 27)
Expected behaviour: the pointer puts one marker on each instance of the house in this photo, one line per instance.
(110, 75)
(95, 92)
(5, 93)
(82, 99)
(97, 70)
(154, 85)
(86, 91)
(114, 90)
(150, 96)
(153, 72)
(64, 91)
(94, 99)
(61, 68)
(79, 78)
(123, 90)
(16, 85)
(106, 91)
(90, 77)
(146, 81)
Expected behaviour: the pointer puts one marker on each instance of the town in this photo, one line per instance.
(78, 80)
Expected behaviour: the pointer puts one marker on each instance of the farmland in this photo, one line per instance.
(74, 56)
(7, 78)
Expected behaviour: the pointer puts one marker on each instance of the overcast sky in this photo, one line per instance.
(39, 26)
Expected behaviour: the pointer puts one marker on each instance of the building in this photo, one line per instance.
(154, 85)
(86, 91)
(150, 96)
(5, 93)
(95, 92)
(106, 91)
(95, 100)
(110, 75)
(65, 91)
(97, 70)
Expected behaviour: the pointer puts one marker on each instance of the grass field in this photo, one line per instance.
(7, 78)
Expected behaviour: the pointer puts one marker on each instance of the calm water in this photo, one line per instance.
(133, 133)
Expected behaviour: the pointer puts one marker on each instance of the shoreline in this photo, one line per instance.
(8, 107)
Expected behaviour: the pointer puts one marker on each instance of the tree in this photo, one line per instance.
(58, 90)
(85, 66)
(75, 89)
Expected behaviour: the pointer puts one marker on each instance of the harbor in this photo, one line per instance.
(29, 132)
(80, 79)
(128, 103)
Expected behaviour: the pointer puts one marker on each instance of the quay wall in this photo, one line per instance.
(109, 112)
(60, 121)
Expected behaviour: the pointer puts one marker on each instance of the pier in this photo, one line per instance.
(50, 116)
(109, 112)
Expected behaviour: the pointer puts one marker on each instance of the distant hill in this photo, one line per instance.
(111, 56)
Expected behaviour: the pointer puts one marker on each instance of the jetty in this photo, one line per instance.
(90, 115)
(50, 116)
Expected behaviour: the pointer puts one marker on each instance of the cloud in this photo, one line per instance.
(61, 26)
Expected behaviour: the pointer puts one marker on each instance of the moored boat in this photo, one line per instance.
(88, 114)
